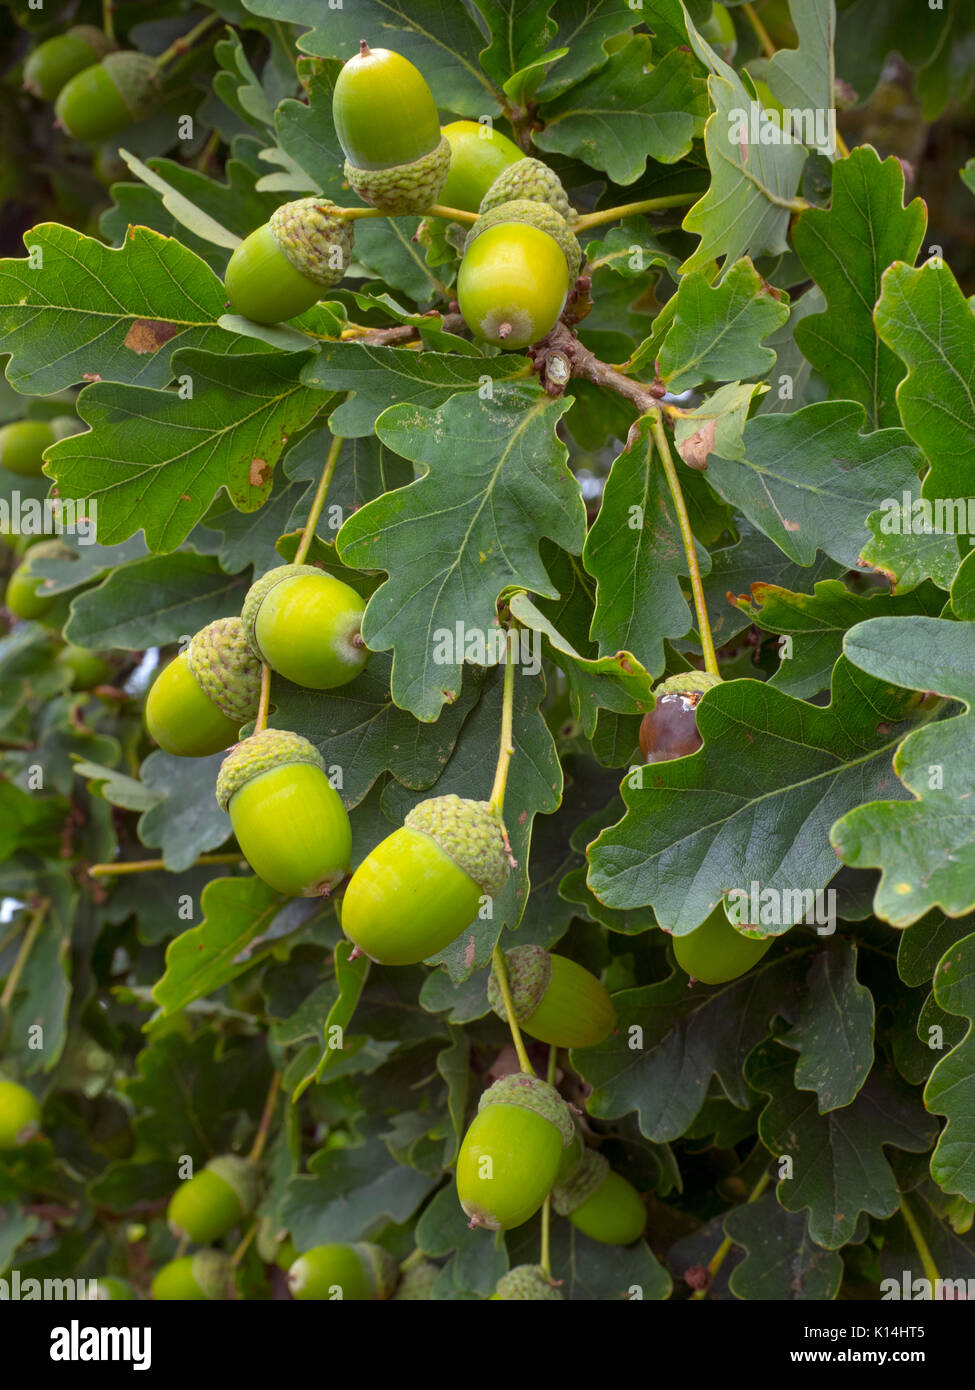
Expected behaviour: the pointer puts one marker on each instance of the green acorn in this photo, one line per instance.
(109, 96)
(27, 594)
(527, 1282)
(478, 154)
(289, 820)
(20, 1115)
(600, 1203)
(555, 1000)
(422, 885)
(510, 1155)
(716, 952)
(55, 62)
(207, 1275)
(360, 1272)
(282, 268)
(216, 1199)
(197, 703)
(532, 181)
(386, 120)
(306, 625)
(416, 1281)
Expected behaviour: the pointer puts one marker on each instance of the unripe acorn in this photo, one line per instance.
(362, 1272)
(111, 1289)
(27, 596)
(555, 1000)
(20, 1115)
(669, 730)
(282, 268)
(216, 1199)
(55, 62)
(529, 180)
(197, 703)
(109, 96)
(87, 669)
(386, 120)
(422, 885)
(207, 1275)
(715, 952)
(306, 625)
(289, 820)
(600, 1203)
(526, 1282)
(478, 154)
(510, 1155)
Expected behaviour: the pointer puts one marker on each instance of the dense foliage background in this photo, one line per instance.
(805, 322)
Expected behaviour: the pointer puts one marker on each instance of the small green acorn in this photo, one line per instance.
(478, 154)
(207, 1275)
(555, 1000)
(282, 268)
(289, 820)
(529, 180)
(716, 952)
(216, 1199)
(108, 97)
(342, 1271)
(20, 1115)
(386, 120)
(510, 1155)
(197, 703)
(111, 1289)
(422, 885)
(600, 1203)
(527, 1282)
(55, 62)
(306, 625)
(28, 595)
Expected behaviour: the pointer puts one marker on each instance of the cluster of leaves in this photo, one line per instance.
(813, 372)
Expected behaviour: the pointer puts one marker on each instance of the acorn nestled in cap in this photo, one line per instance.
(555, 1000)
(282, 268)
(197, 704)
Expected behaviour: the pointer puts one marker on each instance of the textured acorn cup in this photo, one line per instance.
(216, 1199)
(422, 885)
(20, 1115)
(529, 180)
(555, 1000)
(306, 625)
(197, 703)
(55, 62)
(289, 820)
(387, 124)
(526, 1282)
(669, 730)
(205, 1276)
(715, 952)
(361, 1272)
(281, 269)
(478, 154)
(109, 96)
(22, 446)
(510, 1155)
(524, 211)
(600, 1203)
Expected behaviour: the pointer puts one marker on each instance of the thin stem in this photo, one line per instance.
(501, 975)
(596, 219)
(451, 214)
(318, 501)
(13, 979)
(721, 1254)
(920, 1244)
(260, 723)
(761, 33)
(108, 18)
(507, 747)
(183, 44)
(149, 866)
(687, 536)
(260, 1139)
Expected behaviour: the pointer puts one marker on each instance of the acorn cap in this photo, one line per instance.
(136, 79)
(527, 1282)
(532, 180)
(316, 238)
(259, 753)
(403, 189)
(538, 215)
(225, 668)
(590, 1174)
(470, 833)
(382, 1269)
(529, 976)
(240, 1174)
(211, 1273)
(259, 591)
(532, 1093)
